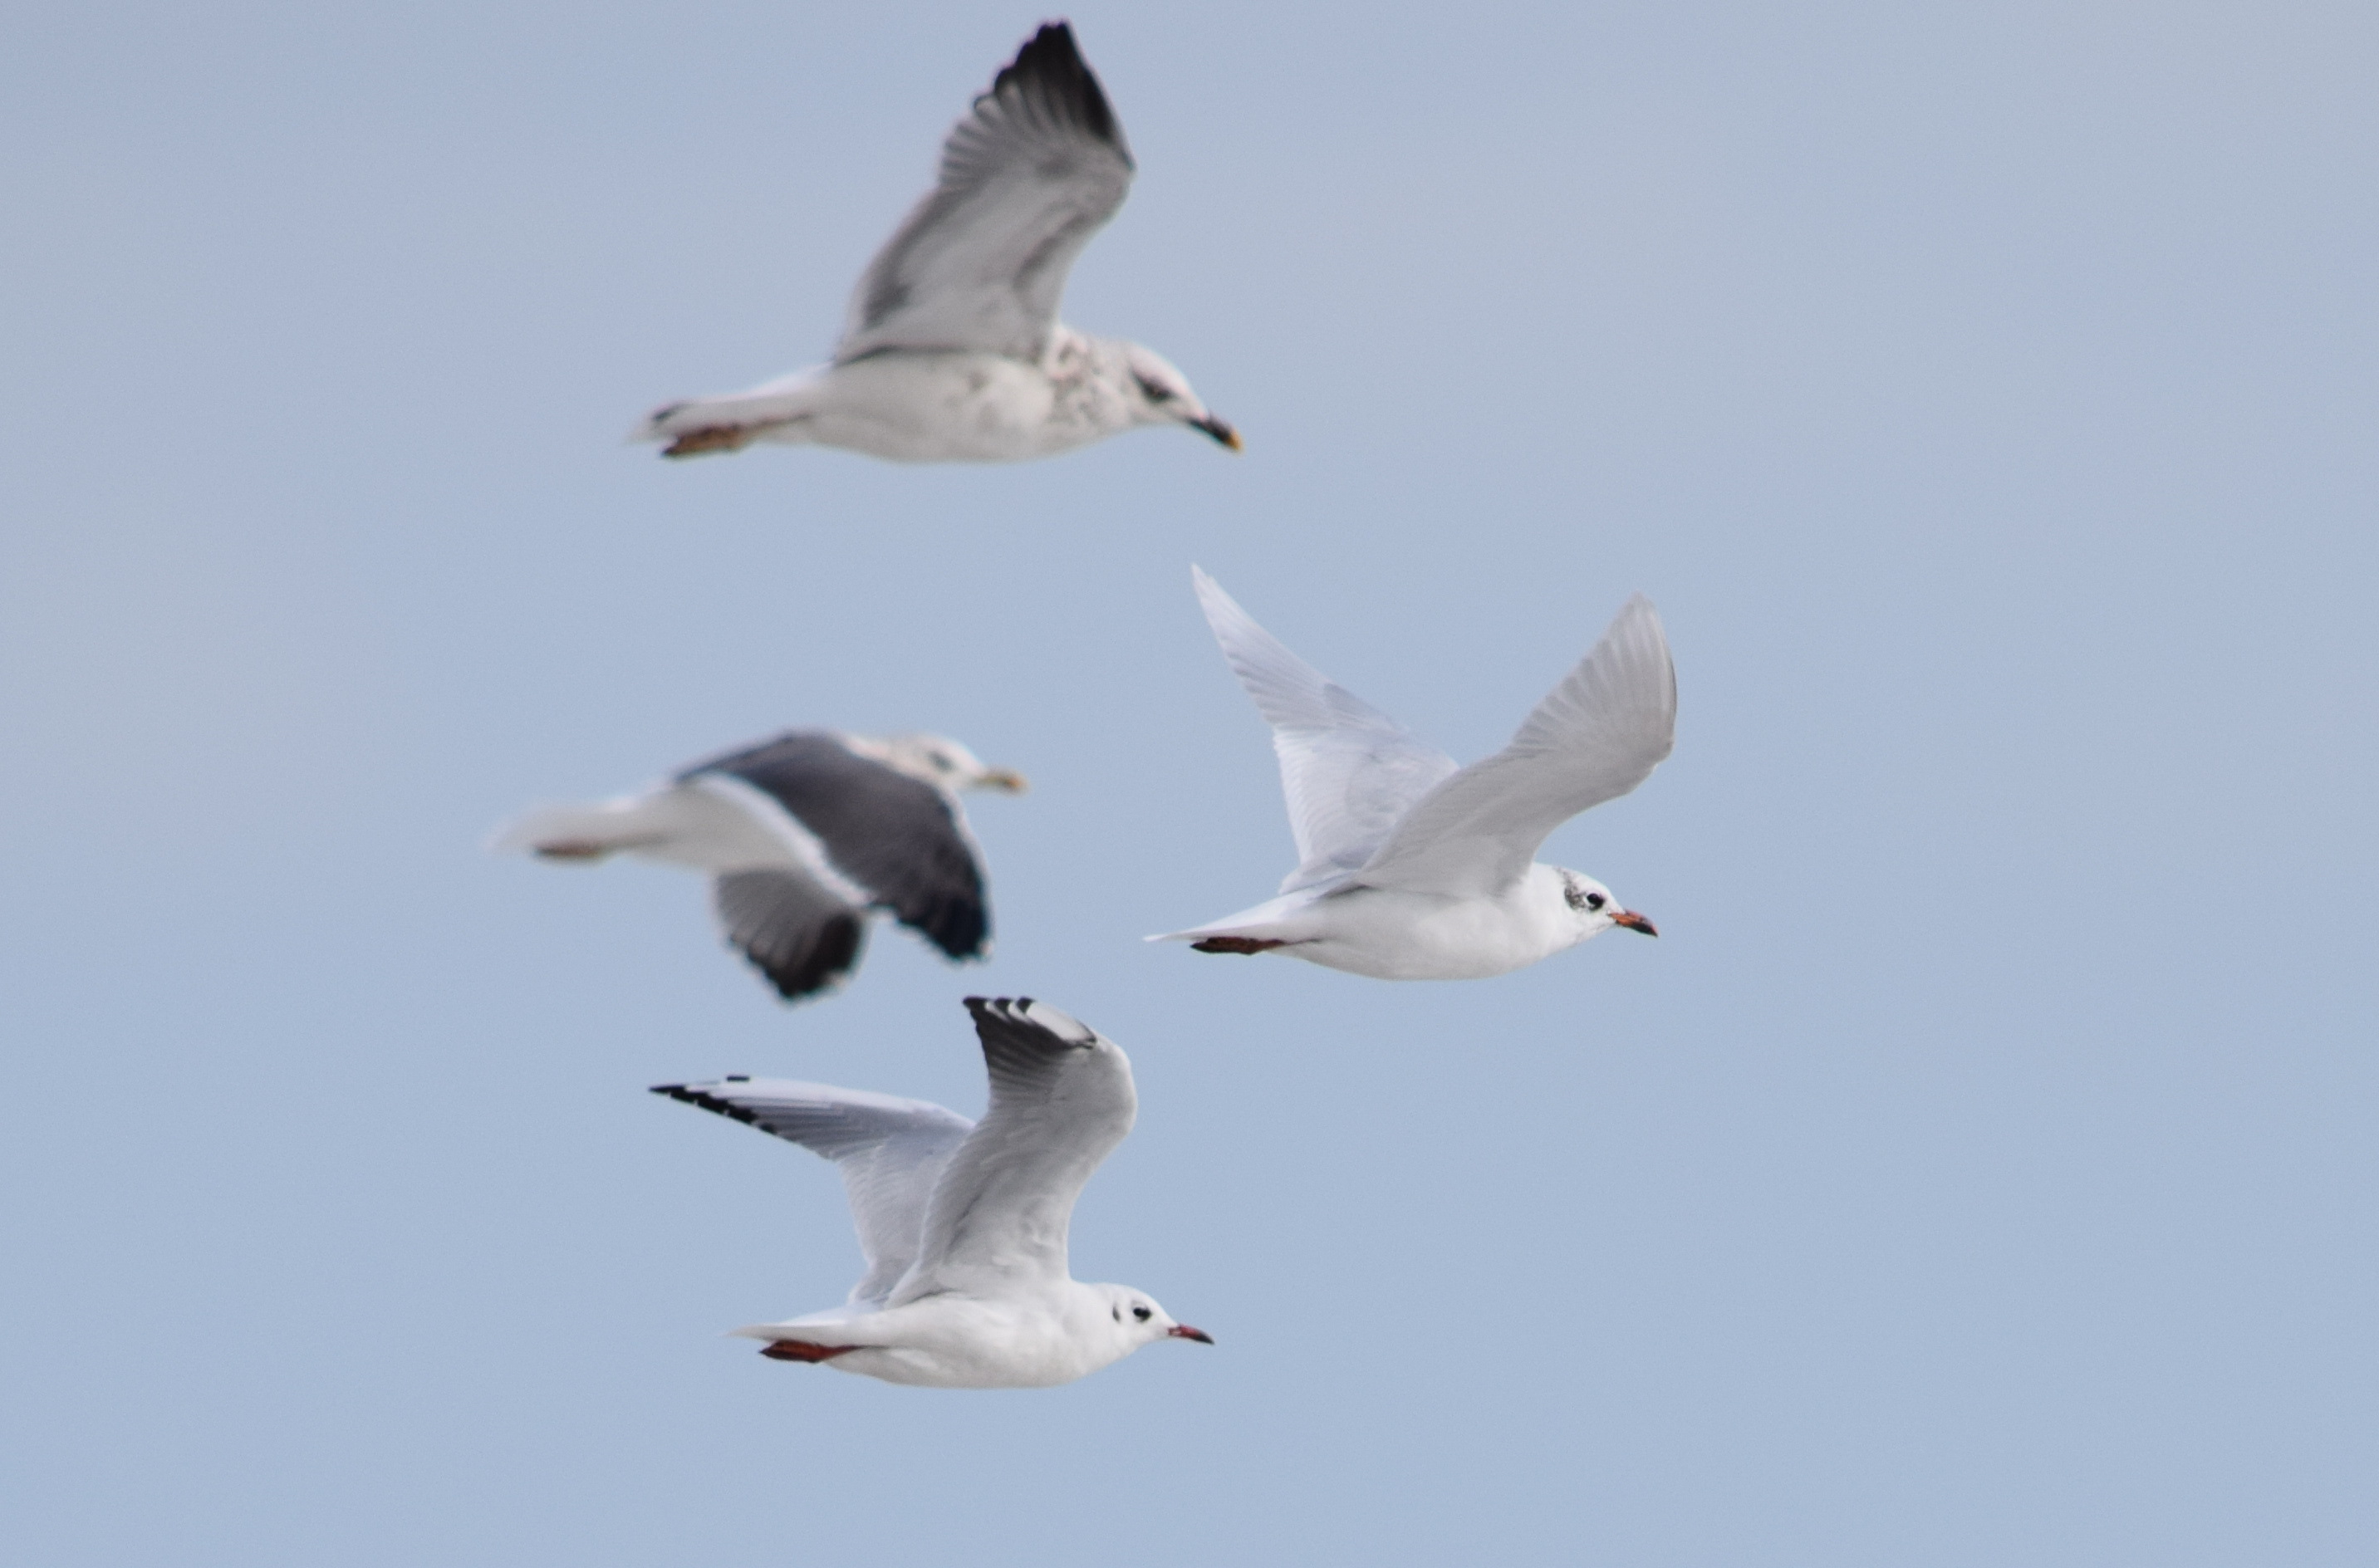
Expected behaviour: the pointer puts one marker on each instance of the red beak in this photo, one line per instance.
(1634, 922)
(1183, 1330)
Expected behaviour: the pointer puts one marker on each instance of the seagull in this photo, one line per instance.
(963, 1223)
(801, 836)
(951, 348)
(1410, 868)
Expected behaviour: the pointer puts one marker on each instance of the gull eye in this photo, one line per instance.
(1150, 391)
(1140, 1312)
(1595, 900)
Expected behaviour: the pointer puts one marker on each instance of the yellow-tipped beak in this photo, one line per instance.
(1000, 778)
(1221, 430)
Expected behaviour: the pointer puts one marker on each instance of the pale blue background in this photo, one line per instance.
(1978, 1171)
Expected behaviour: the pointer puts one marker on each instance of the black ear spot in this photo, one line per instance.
(1116, 1313)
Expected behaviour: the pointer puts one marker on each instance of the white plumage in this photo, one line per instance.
(964, 1225)
(1410, 868)
(951, 350)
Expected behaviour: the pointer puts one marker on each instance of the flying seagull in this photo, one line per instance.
(1410, 868)
(963, 1223)
(951, 350)
(801, 836)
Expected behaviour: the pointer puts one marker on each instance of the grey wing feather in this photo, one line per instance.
(899, 839)
(795, 932)
(1062, 1100)
(890, 1153)
(1597, 735)
(1032, 172)
(1348, 770)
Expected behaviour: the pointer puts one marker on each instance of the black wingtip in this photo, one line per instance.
(823, 968)
(960, 927)
(688, 1094)
(1051, 66)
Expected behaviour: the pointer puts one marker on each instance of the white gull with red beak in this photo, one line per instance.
(963, 1223)
(1411, 868)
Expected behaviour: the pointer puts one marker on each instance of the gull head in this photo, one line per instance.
(938, 760)
(1134, 1318)
(1160, 394)
(1592, 910)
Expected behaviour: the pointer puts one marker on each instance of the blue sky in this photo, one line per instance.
(1977, 1170)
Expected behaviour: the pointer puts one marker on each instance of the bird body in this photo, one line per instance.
(1411, 868)
(952, 351)
(1395, 933)
(964, 1225)
(1038, 1337)
(931, 405)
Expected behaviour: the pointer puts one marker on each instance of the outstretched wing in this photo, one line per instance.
(901, 841)
(1349, 771)
(1033, 170)
(890, 1152)
(1062, 1100)
(1597, 735)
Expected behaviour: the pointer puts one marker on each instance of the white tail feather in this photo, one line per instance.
(770, 407)
(585, 832)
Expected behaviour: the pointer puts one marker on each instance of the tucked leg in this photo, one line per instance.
(801, 1350)
(1239, 944)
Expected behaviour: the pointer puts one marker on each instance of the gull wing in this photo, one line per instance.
(900, 842)
(890, 1153)
(1062, 1100)
(792, 928)
(1597, 735)
(1349, 771)
(1028, 175)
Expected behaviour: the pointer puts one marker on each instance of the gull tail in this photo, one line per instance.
(775, 412)
(578, 833)
(1261, 925)
(790, 1342)
(833, 1331)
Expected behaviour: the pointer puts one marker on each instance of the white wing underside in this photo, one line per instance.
(1062, 1100)
(1598, 734)
(890, 1153)
(1034, 170)
(1349, 771)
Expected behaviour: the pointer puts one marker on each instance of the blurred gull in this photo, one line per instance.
(1412, 869)
(963, 1223)
(952, 351)
(801, 836)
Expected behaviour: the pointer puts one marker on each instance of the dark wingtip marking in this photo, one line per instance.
(1052, 64)
(693, 1096)
(825, 968)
